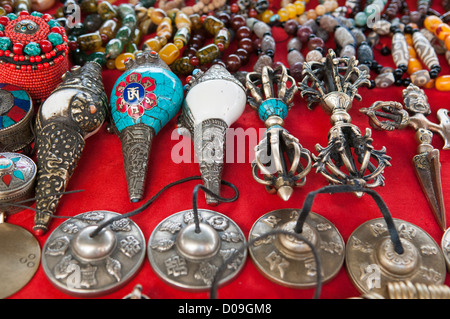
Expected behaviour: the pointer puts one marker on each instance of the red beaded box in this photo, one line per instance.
(33, 53)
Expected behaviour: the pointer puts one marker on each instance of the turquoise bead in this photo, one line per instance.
(32, 48)
(271, 107)
(55, 38)
(360, 19)
(5, 43)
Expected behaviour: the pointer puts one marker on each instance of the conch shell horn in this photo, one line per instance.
(75, 110)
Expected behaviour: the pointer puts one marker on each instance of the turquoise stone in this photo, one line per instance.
(272, 107)
(148, 95)
(360, 19)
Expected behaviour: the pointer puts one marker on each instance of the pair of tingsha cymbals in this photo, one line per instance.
(371, 261)
(80, 264)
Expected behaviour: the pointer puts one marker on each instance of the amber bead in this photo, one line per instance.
(181, 37)
(208, 53)
(165, 28)
(246, 44)
(182, 20)
(111, 64)
(169, 53)
(120, 60)
(243, 55)
(414, 65)
(431, 22)
(266, 15)
(243, 32)
(311, 14)
(154, 44)
(196, 22)
(447, 43)
(442, 83)
(412, 52)
(283, 13)
(442, 31)
(237, 21)
(157, 15)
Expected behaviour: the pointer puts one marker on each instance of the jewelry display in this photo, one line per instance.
(16, 119)
(426, 162)
(73, 112)
(214, 101)
(83, 265)
(334, 84)
(143, 100)
(277, 143)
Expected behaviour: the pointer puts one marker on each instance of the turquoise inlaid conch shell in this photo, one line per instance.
(143, 100)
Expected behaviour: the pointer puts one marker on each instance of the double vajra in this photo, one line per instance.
(349, 157)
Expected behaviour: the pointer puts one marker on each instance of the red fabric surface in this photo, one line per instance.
(100, 174)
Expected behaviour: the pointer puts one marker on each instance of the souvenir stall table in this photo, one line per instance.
(100, 179)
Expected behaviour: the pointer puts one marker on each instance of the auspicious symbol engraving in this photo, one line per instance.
(277, 262)
(135, 95)
(176, 266)
(271, 220)
(428, 250)
(263, 241)
(206, 272)
(113, 268)
(121, 225)
(93, 217)
(363, 247)
(406, 232)
(218, 222)
(371, 274)
(58, 246)
(189, 217)
(430, 274)
(332, 247)
(170, 226)
(130, 246)
(70, 228)
(323, 227)
(231, 237)
(163, 245)
(237, 257)
(311, 267)
(378, 229)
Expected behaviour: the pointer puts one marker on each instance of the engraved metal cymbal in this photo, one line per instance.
(289, 261)
(372, 262)
(445, 245)
(20, 255)
(189, 260)
(81, 265)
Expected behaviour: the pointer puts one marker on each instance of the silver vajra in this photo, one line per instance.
(334, 83)
(272, 107)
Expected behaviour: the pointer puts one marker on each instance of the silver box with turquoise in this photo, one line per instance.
(143, 100)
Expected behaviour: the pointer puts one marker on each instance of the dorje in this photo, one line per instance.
(277, 143)
(289, 261)
(188, 255)
(372, 261)
(80, 264)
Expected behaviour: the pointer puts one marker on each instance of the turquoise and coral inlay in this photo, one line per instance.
(149, 95)
(9, 168)
(14, 105)
(272, 107)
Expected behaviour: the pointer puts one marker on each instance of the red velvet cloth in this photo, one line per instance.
(100, 174)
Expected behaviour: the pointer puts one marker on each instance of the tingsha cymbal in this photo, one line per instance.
(80, 264)
(289, 261)
(20, 255)
(189, 258)
(372, 261)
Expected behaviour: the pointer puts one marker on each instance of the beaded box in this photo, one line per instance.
(33, 52)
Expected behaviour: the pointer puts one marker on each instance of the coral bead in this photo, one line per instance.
(442, 83)
(18, 48)
(414, 65)
(46, 46)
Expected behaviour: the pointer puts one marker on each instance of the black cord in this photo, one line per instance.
(331, 189)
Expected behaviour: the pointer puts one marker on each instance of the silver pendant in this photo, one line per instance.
(86, 266)
(445, 245)
(289, 261)
(372, 262)
(188, 260)
(20, 255)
